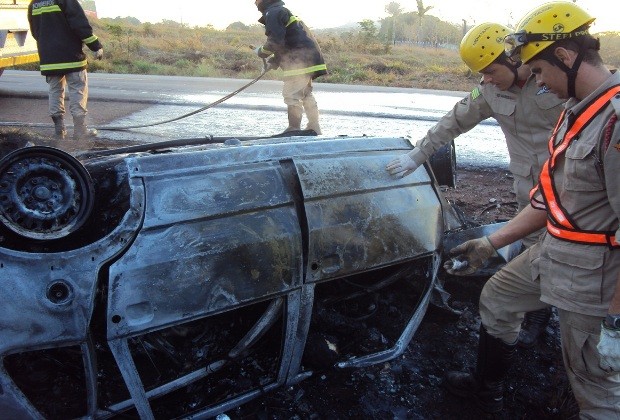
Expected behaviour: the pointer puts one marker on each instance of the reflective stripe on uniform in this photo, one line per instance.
(47, 9)
(292, 20)
(559, 223)
(90, 39)
(475, 93)
(583, 237)
(64, 66)
(306, 70)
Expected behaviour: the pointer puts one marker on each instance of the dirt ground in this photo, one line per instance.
(411, 386)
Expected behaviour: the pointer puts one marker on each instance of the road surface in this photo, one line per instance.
(353, 110)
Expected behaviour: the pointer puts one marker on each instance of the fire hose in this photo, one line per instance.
(266, 68)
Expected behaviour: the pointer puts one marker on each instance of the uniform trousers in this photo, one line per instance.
(77, 85)
(514, 290)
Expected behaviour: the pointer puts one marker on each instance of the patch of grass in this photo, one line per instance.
(173, 49)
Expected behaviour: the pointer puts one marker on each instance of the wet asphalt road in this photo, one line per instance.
(346, 110)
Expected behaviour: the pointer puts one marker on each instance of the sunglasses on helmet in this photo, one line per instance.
(514, 42)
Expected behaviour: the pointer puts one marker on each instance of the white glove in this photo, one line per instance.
(406, 164)
(470, 256)
(98, 54)
(402, 166)
(609, 349)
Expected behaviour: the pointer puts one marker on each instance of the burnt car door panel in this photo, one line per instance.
(205, 276)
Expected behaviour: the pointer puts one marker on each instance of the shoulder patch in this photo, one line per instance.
(543, 90)
(475, 93)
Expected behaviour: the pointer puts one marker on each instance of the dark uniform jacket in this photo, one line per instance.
(60, 28)
(291, 42)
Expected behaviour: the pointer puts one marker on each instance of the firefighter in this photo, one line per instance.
(291, 46)
(526, 113)
(61, 28)
(576, 264)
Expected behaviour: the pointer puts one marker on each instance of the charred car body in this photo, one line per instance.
(181, 282)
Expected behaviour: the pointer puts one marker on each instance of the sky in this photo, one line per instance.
(332, 13)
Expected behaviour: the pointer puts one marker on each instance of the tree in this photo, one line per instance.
(421, 12)
(369, 30)
(394, 10)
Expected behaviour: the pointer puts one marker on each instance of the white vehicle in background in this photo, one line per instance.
(17, 46)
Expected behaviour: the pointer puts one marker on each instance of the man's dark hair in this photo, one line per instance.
(587, 44)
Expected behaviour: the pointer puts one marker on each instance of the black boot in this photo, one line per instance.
(80, 130)
(60, 131)
(486, 385)
(533, 325)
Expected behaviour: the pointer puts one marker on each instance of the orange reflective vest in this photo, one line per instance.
(559, 223)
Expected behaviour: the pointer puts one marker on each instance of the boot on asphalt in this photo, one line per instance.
(294, 113)
(485, 385)
(534, 324)
(312, 113)
(60, 131)
(81, 131)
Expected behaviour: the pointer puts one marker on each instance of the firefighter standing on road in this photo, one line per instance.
(291, 46)
(576, 265)
(526, 113)
(61, 28)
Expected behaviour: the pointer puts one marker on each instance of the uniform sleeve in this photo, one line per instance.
(275, 29)
(611, 163)
(76, 18)
(465, 115)
(33, 30)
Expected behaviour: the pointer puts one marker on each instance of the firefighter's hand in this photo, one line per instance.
(271, 64)
(262, 53)
(402, 166)
(98, 54)
(609, 349)
(470, 256)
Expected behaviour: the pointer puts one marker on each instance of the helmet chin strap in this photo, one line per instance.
(571, 72)
(513, 65)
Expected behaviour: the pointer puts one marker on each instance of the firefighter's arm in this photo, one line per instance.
(609, 342)
(465, 115)
(475, 252)
(528, 221)
(79, 24)
(611, 168)
(33, 32)
(275, 29)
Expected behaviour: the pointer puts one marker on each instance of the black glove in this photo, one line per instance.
(272, 64)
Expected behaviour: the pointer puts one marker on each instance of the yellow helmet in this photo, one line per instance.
(482, 45)
(545, 25)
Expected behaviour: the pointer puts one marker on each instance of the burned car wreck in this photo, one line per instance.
(183, 281)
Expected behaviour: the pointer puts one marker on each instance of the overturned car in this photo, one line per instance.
(182, 280)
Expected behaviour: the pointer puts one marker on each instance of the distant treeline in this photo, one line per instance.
(401, 50)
